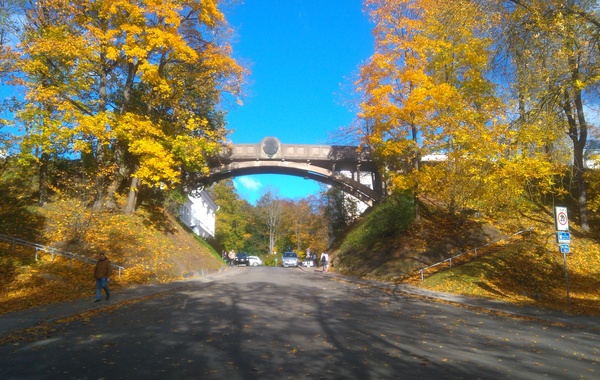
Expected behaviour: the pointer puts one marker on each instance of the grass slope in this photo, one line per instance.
(152, 245)
(525, 269)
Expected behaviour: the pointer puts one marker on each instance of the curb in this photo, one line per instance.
(506, 308)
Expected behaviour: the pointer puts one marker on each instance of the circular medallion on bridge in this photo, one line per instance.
(270, 146)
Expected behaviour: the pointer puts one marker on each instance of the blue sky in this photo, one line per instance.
(302, 55)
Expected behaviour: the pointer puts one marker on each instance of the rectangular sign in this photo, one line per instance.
(561, 219)
(563, 237)
(564, 248)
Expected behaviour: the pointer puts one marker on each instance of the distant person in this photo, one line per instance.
(231, 257)
(307, 257)
(324, 260)
(102, 275)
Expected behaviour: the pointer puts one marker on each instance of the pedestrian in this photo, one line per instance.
(102, 275)
(231, 257)
(324, 260)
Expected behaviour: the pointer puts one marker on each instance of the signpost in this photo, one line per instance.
(561, 219)
(563, 238)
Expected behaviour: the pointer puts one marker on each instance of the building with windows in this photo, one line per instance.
(199, 213)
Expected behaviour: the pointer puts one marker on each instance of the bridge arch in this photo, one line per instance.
(340, 166)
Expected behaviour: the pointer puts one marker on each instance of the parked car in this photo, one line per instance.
(242, 259)
(254, 261)
(290, 259)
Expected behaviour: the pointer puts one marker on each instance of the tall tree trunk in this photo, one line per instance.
(416, 163)
(578, 134)
(132, 197)
(100, 183)
(119, 175)
(120, 150)
(99, 193)
(271, 241)
(43, 178)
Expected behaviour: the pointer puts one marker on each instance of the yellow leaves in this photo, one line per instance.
(528, 271)
(427, 83)
(210, 13)
(144, 76)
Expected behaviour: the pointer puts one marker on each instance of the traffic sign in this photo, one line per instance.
(561, 218)
(564, 248)
(563, 237)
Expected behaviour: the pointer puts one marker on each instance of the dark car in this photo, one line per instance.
(242, 259)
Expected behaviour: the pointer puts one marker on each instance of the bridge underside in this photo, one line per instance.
(304, 170)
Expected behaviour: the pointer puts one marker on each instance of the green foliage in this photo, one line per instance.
(340, 211)
(233, 217)
(387, 220)
(269, 260)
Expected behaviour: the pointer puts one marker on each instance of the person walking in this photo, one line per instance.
(231, 257)
(324, 260)
(102, 275)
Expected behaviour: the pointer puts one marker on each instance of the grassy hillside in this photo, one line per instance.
(525, 269)
(152, 246)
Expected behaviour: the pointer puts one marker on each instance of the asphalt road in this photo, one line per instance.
(276, 323)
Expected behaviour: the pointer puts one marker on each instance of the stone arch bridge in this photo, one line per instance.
(340, 166)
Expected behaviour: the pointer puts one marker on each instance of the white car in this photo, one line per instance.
(254, 261)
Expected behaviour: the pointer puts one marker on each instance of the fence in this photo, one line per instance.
(53, 251)
(449, 260)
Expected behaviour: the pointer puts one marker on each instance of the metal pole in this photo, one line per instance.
(567, 280)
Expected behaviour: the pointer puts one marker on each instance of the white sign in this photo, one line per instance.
(561, 218)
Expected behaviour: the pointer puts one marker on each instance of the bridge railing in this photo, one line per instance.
(472, 251)
(53, 251)
(304, 152)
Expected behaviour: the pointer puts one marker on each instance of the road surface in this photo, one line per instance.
(298, 323)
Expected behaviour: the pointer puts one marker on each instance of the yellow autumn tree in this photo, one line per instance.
(141, 83)
(552, 46)
(437, 125)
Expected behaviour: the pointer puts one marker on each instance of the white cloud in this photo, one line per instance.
(249, 183)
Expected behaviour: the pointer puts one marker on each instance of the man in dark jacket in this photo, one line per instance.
(102, 275)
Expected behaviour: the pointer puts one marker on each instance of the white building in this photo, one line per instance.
(199, 213)
(365, 179)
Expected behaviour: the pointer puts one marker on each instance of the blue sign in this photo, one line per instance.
(563, 237)
(564, 248)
